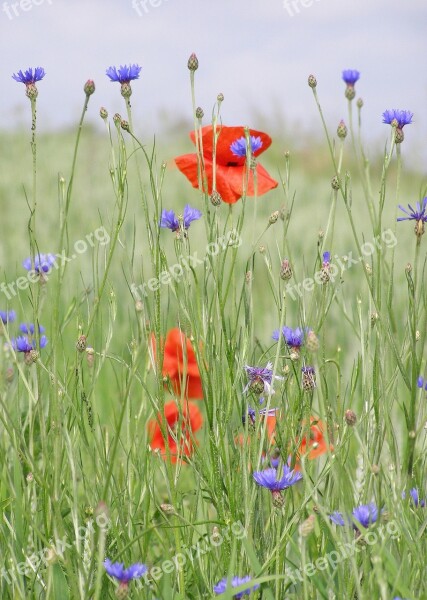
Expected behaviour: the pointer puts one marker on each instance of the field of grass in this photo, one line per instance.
(81, 478)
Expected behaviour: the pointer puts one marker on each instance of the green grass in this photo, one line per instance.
(74, 444)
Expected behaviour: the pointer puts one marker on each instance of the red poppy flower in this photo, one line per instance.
(176, 361)
(230, 163)
(317, 444)
(179, 430)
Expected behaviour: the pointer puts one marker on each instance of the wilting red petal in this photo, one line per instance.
(230, 181)
(191, 422)
(226, 136)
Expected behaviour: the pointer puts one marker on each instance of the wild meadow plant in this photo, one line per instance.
(217, 404)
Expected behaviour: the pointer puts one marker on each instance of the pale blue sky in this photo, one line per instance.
(257, 52)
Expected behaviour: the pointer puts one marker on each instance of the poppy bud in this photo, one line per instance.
(350, 418)
(312, 81)
(215, 198)
(285, 270)
(89, 87)
(342, 130)
(193, 62)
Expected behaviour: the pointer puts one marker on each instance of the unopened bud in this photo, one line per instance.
(90, 356)
(335, 183)
(350, 418)
(31, 357)
(417, 336)
(168, 509)
(117, 119)
(307, 526)
(312, 81)
(103, 113)
(89, 87)
(220, 98)
(359, 103)
(193, 62)
(408, 267)
(215, 198)
(312, 342)
(285, 270)
(124, 125)
(273, 217)
(139, 306)
(81, 343)
(342, 130)
(261, 249)
(199, 112)
(308, 378)
(375, 469)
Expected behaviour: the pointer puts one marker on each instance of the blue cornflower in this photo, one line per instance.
(171, 221)
(238, 147)
(124, 73)
(294, 338)
(420, 214)
(123, 575)
(252, 413)
(350, 76)
(415, 497)
(24, 343)
(422, 383)
(326, 258)
(403, 117)
(235, 582)
(260, 379)
(29, 77)
(268, 478)
(42, 263)
(29, 328)
(365, 515)
(7, 316)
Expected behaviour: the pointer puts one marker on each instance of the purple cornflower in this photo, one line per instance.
(171, 221)
(123, 575)
(365, 515)
(238, 148)
(350, 76)
(252, 413)
(294, 338)
(402, 117)
(415, 497)
(260, 379)
(42, 263)
(29, 328)
(326, 259)
(419, 215)
(7, 316)
(422, 383)
(29, 78)
(124, 74)
(24, 343)
(268, 479)
(235, 582)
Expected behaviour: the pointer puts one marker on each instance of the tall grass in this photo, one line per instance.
(79, 481)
